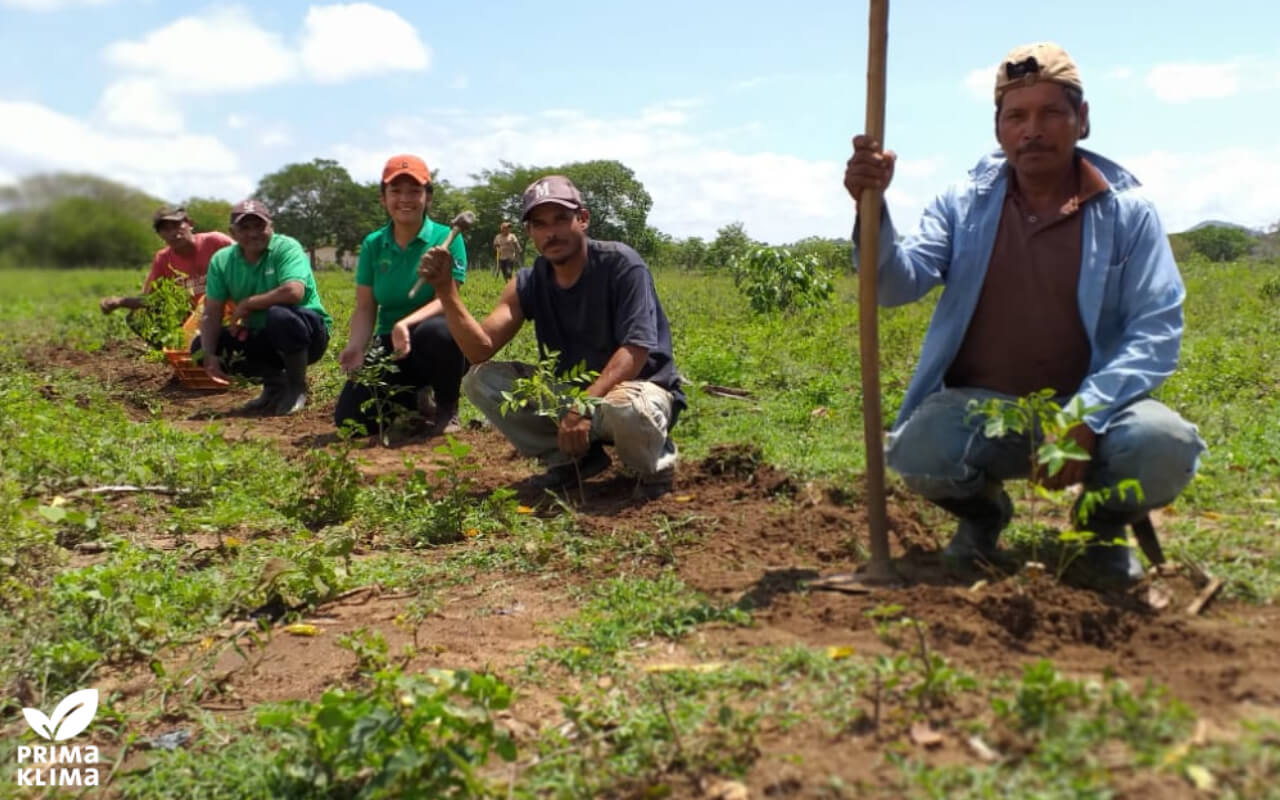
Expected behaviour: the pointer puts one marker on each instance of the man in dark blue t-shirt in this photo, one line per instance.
(594, 304)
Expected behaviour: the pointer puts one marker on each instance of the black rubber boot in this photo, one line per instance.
(294, 396)
(558, 477)
(273, 384)
(982, 517)
(1108, 562)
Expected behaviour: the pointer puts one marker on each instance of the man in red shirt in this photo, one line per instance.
(185, 258)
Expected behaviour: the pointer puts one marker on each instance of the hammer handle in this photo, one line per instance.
(448, 240)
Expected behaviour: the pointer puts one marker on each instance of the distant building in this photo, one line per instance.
(327, 258)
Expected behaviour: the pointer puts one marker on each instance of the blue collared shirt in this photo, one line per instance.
(1130, 293)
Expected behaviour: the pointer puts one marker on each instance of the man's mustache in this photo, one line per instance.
(1035, 147)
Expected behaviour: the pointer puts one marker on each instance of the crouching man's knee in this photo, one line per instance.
(484, 384)
(1152, 444)
(635, 416)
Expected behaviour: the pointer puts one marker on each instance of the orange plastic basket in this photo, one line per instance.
(190, 374)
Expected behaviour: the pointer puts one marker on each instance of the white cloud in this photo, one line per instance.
(981, 82)
(222, 51)
(236, 121)
(36, 138)
(275, 136)
(49, 5)
(1180, 83)
(697, 183)
(919, 168)
(140, 104)
(346, 41)
(1235, 185)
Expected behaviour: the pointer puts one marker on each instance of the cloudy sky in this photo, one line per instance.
(726, 110)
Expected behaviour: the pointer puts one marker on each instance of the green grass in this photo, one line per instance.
(245, 526)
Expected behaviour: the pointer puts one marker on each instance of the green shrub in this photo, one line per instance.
(775, 279)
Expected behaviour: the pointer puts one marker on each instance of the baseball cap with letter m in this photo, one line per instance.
(551, 189)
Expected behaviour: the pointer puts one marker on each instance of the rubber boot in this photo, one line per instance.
(273, 385)
(294, 396)
(982, 517)
(445, 420)
(1108, 562)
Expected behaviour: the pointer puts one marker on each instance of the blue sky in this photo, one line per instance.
(726, 111)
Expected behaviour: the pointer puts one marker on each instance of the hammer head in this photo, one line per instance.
(464, 221)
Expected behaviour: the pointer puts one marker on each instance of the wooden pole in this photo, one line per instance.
(880, 569)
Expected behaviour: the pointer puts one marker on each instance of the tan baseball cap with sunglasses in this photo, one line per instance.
(1041, 61)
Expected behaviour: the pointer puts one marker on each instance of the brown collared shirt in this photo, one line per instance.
(1026, 333)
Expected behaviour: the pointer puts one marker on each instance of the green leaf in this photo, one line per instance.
(53, 513)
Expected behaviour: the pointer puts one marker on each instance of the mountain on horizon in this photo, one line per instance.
(1217, 223)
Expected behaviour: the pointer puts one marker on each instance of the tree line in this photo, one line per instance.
(68, 220)
(83, 220)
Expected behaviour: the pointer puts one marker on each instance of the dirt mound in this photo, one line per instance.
(1054, 612)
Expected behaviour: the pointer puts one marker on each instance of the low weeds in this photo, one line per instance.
(441, 506)
(426, 735)
(331, 485)
(622, 611)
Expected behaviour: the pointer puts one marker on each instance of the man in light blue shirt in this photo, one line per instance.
(1056, 273)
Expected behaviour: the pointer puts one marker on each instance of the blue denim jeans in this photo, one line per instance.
(941, 451)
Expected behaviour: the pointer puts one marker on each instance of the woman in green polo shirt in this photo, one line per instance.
(412, 331)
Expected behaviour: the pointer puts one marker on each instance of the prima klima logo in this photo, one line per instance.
(52, 765)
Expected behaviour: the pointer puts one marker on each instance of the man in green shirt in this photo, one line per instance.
(278, 325)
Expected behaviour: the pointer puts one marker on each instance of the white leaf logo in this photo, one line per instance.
(72, 716)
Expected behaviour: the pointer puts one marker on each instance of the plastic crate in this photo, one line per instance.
(190, 374)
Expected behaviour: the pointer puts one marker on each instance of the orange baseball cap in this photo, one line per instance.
(406, 164)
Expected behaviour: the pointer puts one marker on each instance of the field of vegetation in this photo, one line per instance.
(275, 611)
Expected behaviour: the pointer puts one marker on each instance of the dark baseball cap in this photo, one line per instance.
(249, 208)
(168, 214)
(551, 189)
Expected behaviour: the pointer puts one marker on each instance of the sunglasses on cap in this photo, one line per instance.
(1021, 69)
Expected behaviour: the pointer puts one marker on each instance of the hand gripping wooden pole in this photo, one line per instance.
(879, 569)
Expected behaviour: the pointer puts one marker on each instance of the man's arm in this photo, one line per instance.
(109, 304)
(574, 435)
(478, 341)
(289, 293)
(624, 365)
(907, 270)
(210, 333)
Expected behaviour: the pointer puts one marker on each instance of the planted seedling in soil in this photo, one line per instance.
(1045, 426)
(549, 394)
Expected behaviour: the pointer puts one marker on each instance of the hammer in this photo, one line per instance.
(462, 222)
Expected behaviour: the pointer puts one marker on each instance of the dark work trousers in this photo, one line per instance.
(288, 330)
(434, 360)
(507, 265)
